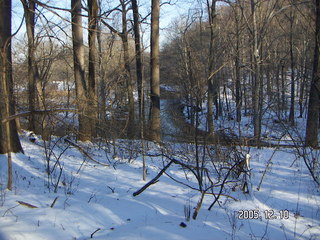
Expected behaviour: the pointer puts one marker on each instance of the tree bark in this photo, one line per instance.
(128, 76)
(101, 74)
(92, 35)
(139, 65)
(79, 70)
(256, 75)
(211, 82)
(29, 13)
(9, 139)
(237, 69)
(155, 72)
(292, 65)
(312, 127)
(35, 89)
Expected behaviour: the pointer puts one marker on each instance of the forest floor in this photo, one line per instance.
(96, 201)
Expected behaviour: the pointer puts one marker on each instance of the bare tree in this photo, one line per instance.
(292, 66)
(128, 76)
(79, 70)
(212, 81)
(237, 59)
(139, 65)
(155, 72)
(312, 127)
(124, 35)
(256, 74)
(9, 139)
(92, 35)
(33, 73)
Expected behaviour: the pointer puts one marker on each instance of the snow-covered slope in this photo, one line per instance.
(96, 201)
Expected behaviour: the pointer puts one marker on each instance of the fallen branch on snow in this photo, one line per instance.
(26, 204)
(98, 229)
(154, 180)
(84, 152)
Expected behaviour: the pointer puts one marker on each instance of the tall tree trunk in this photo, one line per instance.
(155, 72)
(128, 77)
(238, 74)
(292, 65)
(139, 74)
(33, 75)
(9, 139)
(139, 66)
(79, 70)
(278, 96)
(212, 82)
(304, 71)
(101, 73)
(256, 75)
(312, 127)
(283, 88)
(35, 89)
(92, 35)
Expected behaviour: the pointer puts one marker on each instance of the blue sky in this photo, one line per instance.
(168, 14)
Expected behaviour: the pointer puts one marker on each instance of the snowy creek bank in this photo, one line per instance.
(95, 201)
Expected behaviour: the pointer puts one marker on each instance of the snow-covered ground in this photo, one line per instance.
(275, 127)
(96, 201)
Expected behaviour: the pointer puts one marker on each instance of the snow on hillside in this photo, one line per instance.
(96, 201)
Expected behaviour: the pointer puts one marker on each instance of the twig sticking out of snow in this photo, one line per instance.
(91, 236)
(268, 166)
(54, 202)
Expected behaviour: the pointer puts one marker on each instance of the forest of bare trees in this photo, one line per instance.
(88, 70)
(259, 53)
(159, 119)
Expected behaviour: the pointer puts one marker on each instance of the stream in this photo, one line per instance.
(174, 125)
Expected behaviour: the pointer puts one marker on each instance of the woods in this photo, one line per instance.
(229, 62)
(149, 119)
(257, 51)
(255, 58)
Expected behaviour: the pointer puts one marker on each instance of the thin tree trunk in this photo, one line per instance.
(211, 82)
(101, 74)
(139, 65)
(245, 95)
(29, 13)
(283, 88)
(256, 75)
(128, 77)
(278, 103)
(292, 65)
(304, 71)
(92, 35)
(238, 77)
(155, 73)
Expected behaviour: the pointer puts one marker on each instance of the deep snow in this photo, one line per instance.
(92, 197)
